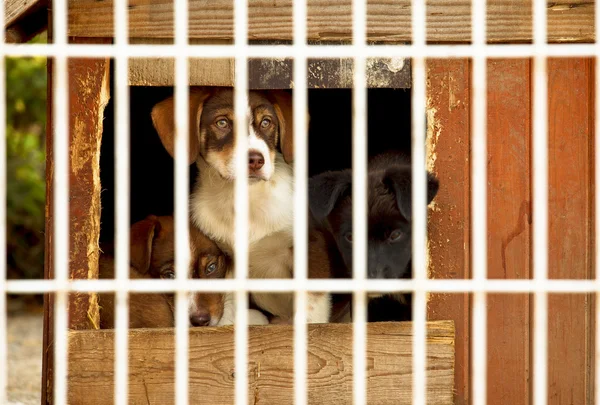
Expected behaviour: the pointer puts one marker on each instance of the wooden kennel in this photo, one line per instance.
(510, 325)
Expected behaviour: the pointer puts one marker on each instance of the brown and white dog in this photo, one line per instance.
(152, 255)
(270, 154)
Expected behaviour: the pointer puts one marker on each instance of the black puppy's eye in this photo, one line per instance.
(395, 236)
(222, 123)
(168, 274)
(211, 268)
(265, 123)
(348, 236)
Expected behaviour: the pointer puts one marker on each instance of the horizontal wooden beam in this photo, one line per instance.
(273, 73)
(448, 21)
(14, 10)
(271, 365)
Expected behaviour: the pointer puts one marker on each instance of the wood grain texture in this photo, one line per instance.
(509, 228)
(266, 73)
(387, 21)
(88, 95)
(448, 144)
(16, 9)
(270, 374)
(571, 248)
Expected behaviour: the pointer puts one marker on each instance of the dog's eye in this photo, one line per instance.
(395, 236)
(222, 123)
(168, 274)
(211, 268)
(348, 237)
(265, 123)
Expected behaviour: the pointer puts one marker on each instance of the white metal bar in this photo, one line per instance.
(359, 199)
(479, 204)
(312, 51)
(241, 200)
(122, 173)
(3, 202)
(300, 102)
(61, 201)
(499, 286)
(540, 202)
(182, 244)
(419, 205)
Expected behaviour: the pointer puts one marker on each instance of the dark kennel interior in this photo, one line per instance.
(330, 144)
(330, 148)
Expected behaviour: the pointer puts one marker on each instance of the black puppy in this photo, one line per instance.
(389, 207)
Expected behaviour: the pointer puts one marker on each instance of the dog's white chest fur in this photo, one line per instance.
(270, 206)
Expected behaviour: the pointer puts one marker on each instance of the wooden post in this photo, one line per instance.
(571, 240)
(88, 95)
(509, 228)
(448, 146)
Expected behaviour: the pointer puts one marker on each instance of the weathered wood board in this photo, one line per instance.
(387, 22)
(509, 228)
(571, 317)
(272, 73)
(449, 236)
(271, 371)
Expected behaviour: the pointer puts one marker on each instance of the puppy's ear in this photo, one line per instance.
(400, 180)
(282, 101)
(325, 190)
(141, 238)
(163, 118)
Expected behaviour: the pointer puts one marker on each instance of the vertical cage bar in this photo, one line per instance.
(3, 156)
(61, 200)
(241, 200)
(182, 246)
(419, 204)
(540, 202)
(479, 201)
(300, 203)
(122, 174)
(359, 199)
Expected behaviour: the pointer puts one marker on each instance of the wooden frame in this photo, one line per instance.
(571, 127)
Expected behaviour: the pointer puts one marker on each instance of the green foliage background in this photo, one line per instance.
(25, 147)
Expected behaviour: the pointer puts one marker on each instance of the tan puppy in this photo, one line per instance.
(271, 216)
(152, 255)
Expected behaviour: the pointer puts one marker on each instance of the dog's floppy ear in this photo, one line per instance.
(282, 101)
(400, 179)
(163, 118)
(141, 238)
(325, 190)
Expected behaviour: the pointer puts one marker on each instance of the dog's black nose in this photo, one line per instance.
(255, 161)
(200, 319)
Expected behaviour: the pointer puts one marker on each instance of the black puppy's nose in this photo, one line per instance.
(255, 160)
(200, 319)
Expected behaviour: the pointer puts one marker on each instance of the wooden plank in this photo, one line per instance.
(266, 73)
(270, 374)
(448, 146)
(88, 95)
(27, 26)
(48, 339)
(388, 21)
(509, 228)
(16, 9)
(571, 248)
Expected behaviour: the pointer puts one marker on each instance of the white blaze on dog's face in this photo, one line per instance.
(217, 135)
